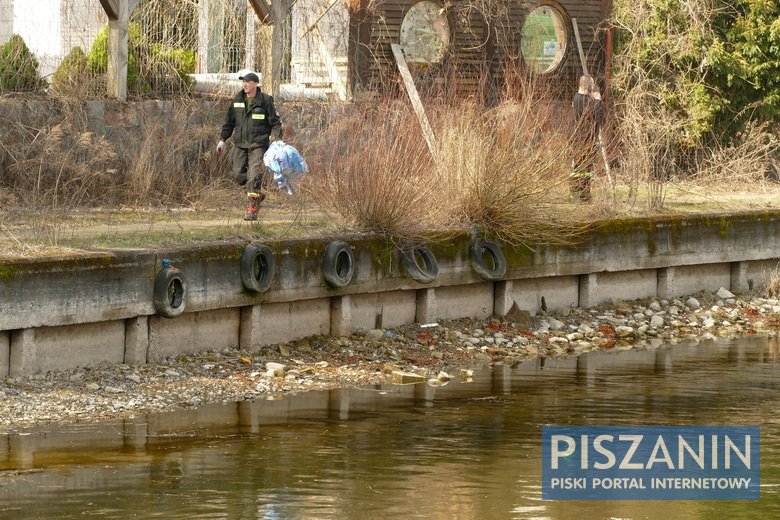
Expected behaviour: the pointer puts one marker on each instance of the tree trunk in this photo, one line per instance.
(280, 10)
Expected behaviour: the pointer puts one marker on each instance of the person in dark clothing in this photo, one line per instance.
(253, 122)
(588, 113)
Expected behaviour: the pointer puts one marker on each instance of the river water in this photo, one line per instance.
(467, 450)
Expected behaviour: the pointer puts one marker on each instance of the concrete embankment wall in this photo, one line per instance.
(59, 313)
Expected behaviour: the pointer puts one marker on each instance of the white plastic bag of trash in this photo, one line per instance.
(286, 163)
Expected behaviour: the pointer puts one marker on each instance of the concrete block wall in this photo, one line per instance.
(595, 288)
(64, 312)
(5, 353)
(192, 333)
(550, 292)
(687, 279)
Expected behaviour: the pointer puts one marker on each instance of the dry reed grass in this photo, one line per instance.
(57, 163)
(509, 166)
(376, 175)
(746, 160)
(503, 171)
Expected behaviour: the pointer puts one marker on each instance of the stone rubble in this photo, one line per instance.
(429, 352)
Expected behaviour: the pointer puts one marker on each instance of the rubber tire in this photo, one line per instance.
(477, 250)
(258, 267)
(170, 292)
(426, 273)
(338, 264)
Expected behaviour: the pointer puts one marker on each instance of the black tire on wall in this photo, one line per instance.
(170, 292)
(424, 271)
(338, 264)
(477, 250)
(258, 267)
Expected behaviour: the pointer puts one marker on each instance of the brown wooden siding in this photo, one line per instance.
(476, 57)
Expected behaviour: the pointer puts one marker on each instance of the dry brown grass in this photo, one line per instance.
(501, 171)
(55, 162)
(375, 174)
(740, 175)
(747, 160)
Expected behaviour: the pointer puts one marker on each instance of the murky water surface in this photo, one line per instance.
(465, 450)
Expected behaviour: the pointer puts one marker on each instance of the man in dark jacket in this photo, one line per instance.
(588, 113)
(253, 122)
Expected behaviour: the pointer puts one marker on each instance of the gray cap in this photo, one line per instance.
(250, 76)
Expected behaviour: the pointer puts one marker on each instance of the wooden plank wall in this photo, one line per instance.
(477, 58)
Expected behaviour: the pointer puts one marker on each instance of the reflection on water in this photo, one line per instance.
(465, 450)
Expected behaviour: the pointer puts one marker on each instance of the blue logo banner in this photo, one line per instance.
(650, 462)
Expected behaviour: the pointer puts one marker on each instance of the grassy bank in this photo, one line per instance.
(500, 170)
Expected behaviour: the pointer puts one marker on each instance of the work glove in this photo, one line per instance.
(221, 147)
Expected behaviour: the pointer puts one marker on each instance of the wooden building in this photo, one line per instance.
(470, 42)
(344, 46)
(475, 43)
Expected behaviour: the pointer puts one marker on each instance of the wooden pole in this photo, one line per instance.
(414, 96)
(579, 46)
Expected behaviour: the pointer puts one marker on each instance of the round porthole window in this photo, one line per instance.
(543, 39)
(425, 33)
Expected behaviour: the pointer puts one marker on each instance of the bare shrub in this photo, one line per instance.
(667, 108)
(509, 167)
(503, 171)
(647, 151)
(376, 175)
(659, 140)
(748, 159)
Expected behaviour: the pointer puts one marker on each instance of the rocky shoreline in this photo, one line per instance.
(413, 353)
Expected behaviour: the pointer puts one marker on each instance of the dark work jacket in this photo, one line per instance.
(253, 124)
(588, 113)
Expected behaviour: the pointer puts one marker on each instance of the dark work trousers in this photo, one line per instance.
(583, 167)
(248, 168)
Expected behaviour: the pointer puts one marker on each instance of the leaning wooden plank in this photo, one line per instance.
(262, 9)
(111, 9)
(579, 47)
(414, 97)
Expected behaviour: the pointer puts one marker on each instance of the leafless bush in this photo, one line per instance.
(655, 135)
(376, 175)
(509, 168)
(504, 170)
(647, 148)
(748, 159)
(663, 114)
